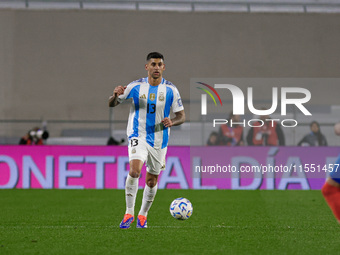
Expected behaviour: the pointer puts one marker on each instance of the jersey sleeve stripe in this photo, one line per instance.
(132, 90)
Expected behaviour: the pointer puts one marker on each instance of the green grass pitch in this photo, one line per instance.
(223, 222)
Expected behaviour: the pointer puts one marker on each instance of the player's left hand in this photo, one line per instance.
(167, 122)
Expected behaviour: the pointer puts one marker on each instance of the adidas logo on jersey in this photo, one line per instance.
(143, 96)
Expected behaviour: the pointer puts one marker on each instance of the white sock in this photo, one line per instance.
(148, 197)
(131, 188)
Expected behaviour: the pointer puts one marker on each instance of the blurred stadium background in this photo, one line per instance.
(59, 63)
(60, 60)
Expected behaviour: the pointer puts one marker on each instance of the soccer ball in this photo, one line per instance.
(181, 208)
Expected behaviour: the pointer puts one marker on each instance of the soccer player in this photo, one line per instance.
(148, 132)
(331, 189)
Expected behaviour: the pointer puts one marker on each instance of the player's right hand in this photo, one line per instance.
(119, 90)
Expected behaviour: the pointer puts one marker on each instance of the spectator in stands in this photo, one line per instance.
(35, 136)
(213, 139)
(231, 134)
(268, 134)
(113, 141)
(314, 138)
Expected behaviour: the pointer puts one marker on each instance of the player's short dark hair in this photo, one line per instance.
(154, 55)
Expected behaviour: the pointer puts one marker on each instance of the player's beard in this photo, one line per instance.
(156, 75)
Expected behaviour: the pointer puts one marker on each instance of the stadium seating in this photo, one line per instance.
(294, 6)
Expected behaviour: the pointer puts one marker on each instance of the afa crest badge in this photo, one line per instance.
(161, 96)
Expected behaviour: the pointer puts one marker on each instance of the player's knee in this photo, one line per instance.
(134, 174)
(151, 183)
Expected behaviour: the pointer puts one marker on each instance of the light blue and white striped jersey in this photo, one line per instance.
(150, 105)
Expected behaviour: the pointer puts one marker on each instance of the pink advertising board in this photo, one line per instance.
(106, 167)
